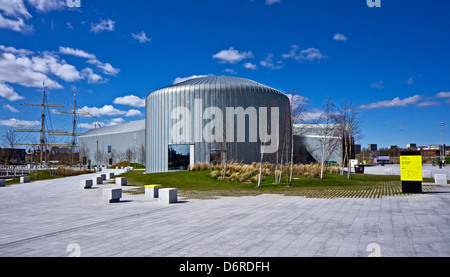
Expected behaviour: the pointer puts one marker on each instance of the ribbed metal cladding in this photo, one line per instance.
(213, 91)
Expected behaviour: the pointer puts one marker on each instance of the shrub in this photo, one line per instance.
(67, 171)
(214, 173)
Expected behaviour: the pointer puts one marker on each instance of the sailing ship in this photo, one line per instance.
(45, 142)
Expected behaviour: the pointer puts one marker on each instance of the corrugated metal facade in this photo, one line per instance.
(214, 91)
(115, 143)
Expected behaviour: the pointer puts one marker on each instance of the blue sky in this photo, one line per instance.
(392, 62)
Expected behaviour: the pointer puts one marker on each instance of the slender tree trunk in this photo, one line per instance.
(292, 157)
(260, 170)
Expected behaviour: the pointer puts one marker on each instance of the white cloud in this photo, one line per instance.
(182, 79)
(24, 67)
(427, 104)
(378, 85)
(114, 121)
(19, 66)
(76, 52)
(51, 63)
(340, 37)
(22, 70)
(21, 52)
(107, 68)
(104, 25)
(105, 110)
(141, 37)
(232, 56)
(92, 77)
(18, 123)
(311, 115)
(396, 102)
(14, 8)
(309, 54)
(88, 125)
(48, 5)
(268, 63)
(13, 13)
(410, 81)
(17, 25)
(230, 70)
(443, 95)
(271, 2)
(130, 100)
(133, 112)
(10, 108)
(251, 66)
(9, 93)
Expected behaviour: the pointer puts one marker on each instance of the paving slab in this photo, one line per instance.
(54, 218)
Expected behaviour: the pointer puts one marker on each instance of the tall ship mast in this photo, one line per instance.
(44, 142)
(74, 134)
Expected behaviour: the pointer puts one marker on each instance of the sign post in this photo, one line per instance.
(411, 171)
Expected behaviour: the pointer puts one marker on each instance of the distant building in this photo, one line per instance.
(411, 145)
(112, 144)
(429, 153)
(372, 147)
(433, 147)
(357, 149)
(392, 147)
(12, 155)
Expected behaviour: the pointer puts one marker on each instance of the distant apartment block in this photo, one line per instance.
(372, 147)
(357, 149)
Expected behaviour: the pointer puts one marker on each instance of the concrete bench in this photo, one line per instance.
(86, 184)
(97, 180)
(111, 195)
(24, 180)
(2, 183)
(440, 179)
(427, 174)
(168, 195)
(152, 191)
(121, 181)
(388, 171)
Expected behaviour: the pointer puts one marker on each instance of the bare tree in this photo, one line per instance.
(327, 134)
(84, 152)
(297, 109)
(349, 128)
(130, 154)
(10, 140)
(142, 155)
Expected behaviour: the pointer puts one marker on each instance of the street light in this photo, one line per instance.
(443, 145)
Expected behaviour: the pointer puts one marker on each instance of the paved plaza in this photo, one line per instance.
(59, 218)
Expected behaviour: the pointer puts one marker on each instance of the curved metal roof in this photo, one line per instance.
(132, 126)
(218, 80)
(214, 80)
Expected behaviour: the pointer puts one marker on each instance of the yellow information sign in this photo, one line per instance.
(411, 168)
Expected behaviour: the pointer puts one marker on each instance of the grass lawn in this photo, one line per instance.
(41, 175)
(200, 184)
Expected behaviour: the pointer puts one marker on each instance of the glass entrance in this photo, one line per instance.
(179, 157)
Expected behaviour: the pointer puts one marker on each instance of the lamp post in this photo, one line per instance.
(443, 145)
(97, 158)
